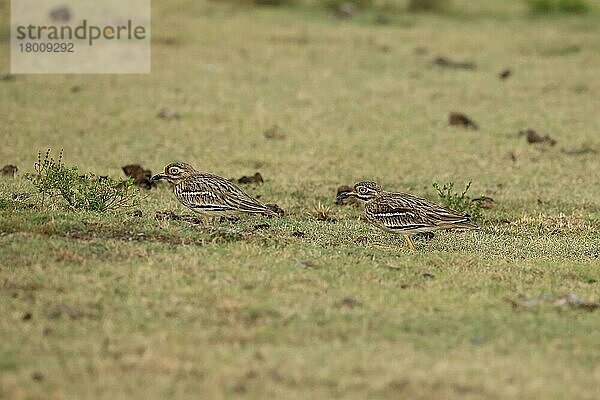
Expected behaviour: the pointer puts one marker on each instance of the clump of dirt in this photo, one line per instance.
(251, 179)
(448, 63)
(60, 14)
(460, 119)
(505, 74)
(274, 133)
(9, 170)
(168, 114)
(348, 303)
(298, 234)
(276, 209)
(534, 137)
(141, 176)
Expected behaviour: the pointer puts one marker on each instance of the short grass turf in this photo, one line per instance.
(122, 306)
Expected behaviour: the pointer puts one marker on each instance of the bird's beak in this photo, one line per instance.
(345, 195)
(158, 177)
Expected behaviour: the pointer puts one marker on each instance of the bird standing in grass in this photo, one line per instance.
(405, 213)
(208, 194)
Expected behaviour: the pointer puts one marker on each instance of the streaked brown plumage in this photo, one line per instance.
(405, 213)
(209, 194)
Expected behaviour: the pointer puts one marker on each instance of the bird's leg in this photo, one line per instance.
(409, 242)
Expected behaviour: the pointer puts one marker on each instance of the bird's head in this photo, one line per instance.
(175, 172)
(363, 191)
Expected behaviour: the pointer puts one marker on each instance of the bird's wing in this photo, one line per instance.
(395, 216)
(206, 192)
(425, 212)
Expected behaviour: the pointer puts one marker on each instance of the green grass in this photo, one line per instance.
(118, 306)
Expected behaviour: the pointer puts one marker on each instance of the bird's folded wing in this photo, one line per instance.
(431, 213)
(398, 218)
(213, 193)
(201, 200)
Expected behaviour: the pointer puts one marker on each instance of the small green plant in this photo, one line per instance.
(458, 202)
(558, 6)
(80, 191)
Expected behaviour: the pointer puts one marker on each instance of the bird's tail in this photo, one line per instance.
(462, 223)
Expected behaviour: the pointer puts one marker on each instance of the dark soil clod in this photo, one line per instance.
(348, 302)
(274, 133)
(256, 178)
(276, 209)
(298, 234)
(460, 119)
(136, 213)
(167, 113)
(37, 376)
(141, 177)
(60, 14)
(9, 170)
(448, 63)
(505, 74)
(261, 226)
(535, 137)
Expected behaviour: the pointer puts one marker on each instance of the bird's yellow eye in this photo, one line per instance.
(173, 171)
(362, 190)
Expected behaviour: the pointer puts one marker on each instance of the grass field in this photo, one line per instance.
(121, 306)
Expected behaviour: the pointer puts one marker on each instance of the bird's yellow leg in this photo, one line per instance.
(409, 242)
